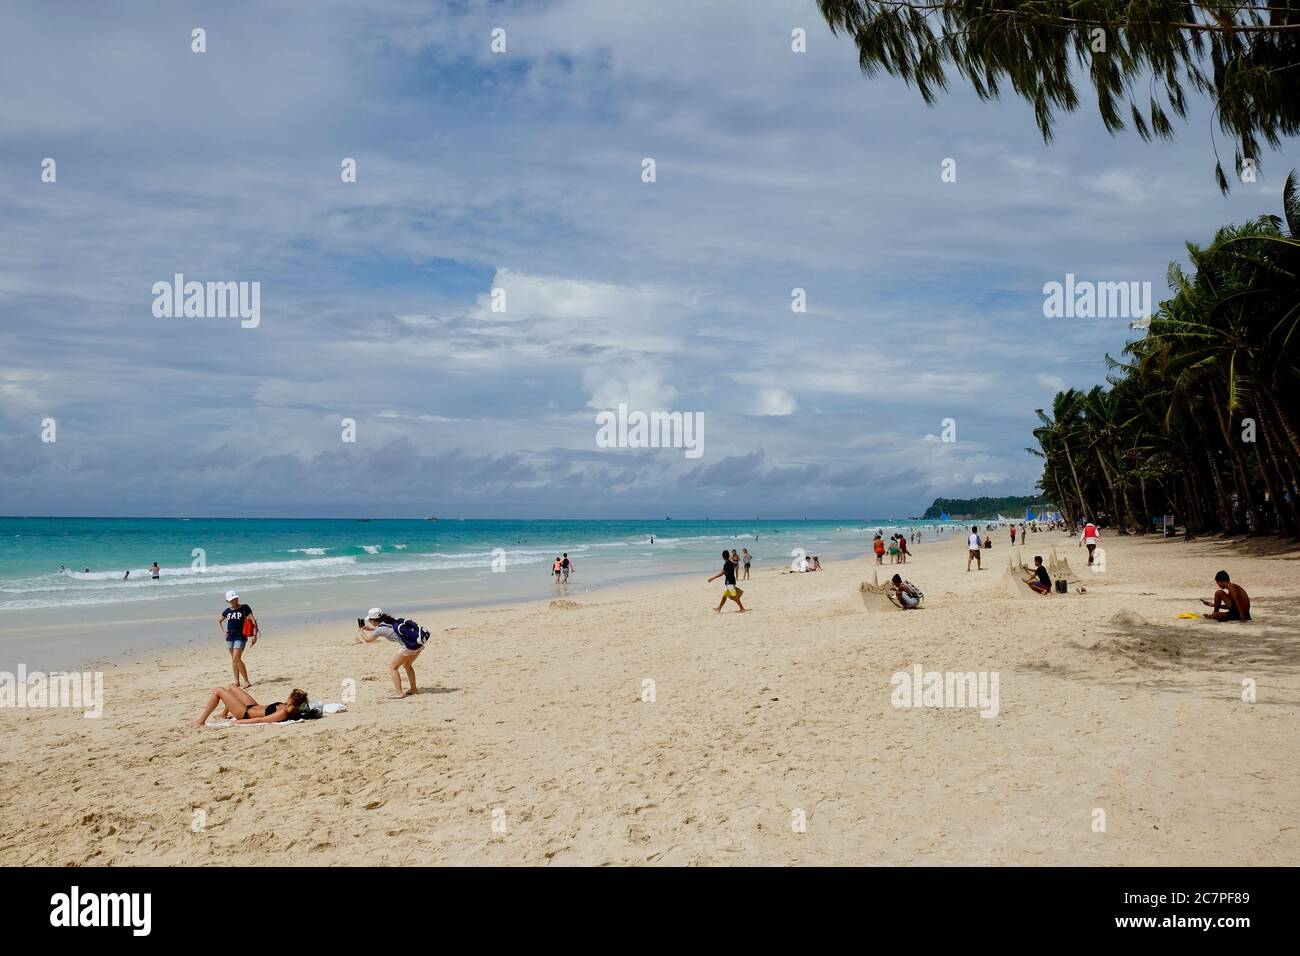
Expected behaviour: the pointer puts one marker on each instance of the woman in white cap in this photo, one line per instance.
(241, 631)
(402, 631)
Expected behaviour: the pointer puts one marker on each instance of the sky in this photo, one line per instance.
(523, 171)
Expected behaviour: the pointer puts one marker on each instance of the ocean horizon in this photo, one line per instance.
(54, 562)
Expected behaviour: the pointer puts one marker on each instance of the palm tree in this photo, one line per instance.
(1201, 413)
(1060, 430)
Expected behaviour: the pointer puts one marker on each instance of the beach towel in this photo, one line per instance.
(1187, 616)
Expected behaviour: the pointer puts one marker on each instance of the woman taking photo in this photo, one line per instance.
(410, 637)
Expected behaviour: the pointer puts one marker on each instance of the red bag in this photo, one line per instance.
(249, 626)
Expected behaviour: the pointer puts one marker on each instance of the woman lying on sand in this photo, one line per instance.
(239, 704)
(399, 630)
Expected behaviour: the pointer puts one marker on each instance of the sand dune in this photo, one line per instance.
(535, 718)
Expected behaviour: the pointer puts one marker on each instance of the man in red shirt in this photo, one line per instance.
(1090, 537)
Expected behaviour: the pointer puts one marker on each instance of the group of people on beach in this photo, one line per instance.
(561, 569)
(155, 572)
(898, 552)
(241, 631)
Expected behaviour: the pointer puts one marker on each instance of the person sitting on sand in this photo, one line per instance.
(729, 588)
(399, 630)
(905, 593)
(1039, 579)
(239, 703)
(1231, 602)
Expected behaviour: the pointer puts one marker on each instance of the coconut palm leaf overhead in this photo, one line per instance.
(1141, 59)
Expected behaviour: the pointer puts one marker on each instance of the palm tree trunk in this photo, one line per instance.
(1110, 487)
(1083, 502)
(1227, 521)
(1287, 503)
(1268, 466)
(1284, 420)
(1239, 476)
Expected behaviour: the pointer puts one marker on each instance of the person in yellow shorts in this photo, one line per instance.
(729, 589)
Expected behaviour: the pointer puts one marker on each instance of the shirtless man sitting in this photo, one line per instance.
(1231, 602)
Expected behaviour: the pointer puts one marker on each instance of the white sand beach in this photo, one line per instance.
(534, 717)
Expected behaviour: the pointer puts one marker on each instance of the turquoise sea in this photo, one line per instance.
(68, 562)
(66, 599)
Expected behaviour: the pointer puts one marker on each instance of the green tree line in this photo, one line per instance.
(1201, 415)
(1012, 506)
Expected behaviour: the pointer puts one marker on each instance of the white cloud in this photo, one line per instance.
(557, 297)
(522, 171)
(773, 401)
(1128, 186)
(646, 391)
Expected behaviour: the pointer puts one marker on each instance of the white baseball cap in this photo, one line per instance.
(232, 596)
(374, 614)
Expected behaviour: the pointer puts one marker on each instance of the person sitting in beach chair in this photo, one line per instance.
(1231, 602)
(1039, 580)
(904, 594)
(239, 703)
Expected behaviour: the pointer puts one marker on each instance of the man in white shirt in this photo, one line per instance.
(973, 542)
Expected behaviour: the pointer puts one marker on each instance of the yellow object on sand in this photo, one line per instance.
(1186, 616)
